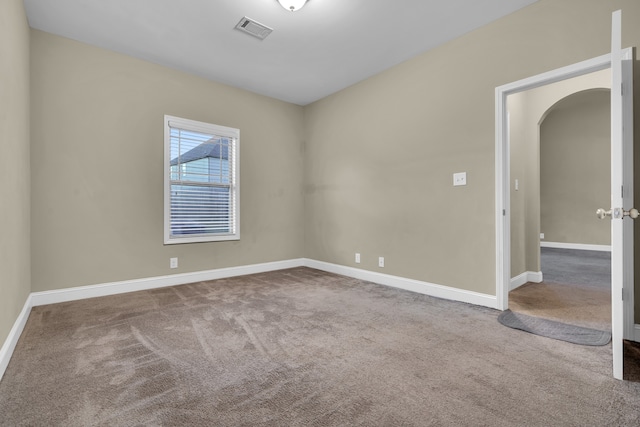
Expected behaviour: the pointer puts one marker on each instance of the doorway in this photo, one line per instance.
(560, 170)
(620, 62)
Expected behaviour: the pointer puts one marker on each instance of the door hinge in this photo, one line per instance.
(504, 212)
(622, 293)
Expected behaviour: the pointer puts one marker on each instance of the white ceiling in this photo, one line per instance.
(318, 50)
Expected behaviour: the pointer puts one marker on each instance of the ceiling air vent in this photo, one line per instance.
(254, 28)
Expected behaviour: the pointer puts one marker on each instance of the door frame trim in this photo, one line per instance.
(502, 167)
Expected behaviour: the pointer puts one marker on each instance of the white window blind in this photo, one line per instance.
(201, 181)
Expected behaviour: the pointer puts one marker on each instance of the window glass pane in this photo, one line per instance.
(199, 157)
(201, 192)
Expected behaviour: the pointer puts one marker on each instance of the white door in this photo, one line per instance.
(621, 212)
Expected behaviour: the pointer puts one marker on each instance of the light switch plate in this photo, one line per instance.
(459, 178)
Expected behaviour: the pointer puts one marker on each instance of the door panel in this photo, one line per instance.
(621, 190)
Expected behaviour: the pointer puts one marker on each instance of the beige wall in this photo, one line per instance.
(575, 169)
(526, 110)
(97, 176)
(14, 163)
(380, 155)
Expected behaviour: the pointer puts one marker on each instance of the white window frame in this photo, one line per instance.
(208, 128)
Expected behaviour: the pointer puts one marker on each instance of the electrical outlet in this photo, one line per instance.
(459, 178)
(381, 261)
(357, 258)
(541, 236)
(173, 263)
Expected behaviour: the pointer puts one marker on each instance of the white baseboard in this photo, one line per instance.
(14, 334)
(527, 276)
(426, 288)
(104, 289)
(636, 329)
(579, 246)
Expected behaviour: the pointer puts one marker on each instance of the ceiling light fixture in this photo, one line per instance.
(292, 5)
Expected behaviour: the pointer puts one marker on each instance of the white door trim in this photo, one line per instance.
(502, 199)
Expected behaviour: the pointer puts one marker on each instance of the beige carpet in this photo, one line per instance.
(576, 289)
(578, 305)
(300, 348)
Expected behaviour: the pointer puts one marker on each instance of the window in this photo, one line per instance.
(201, 191)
